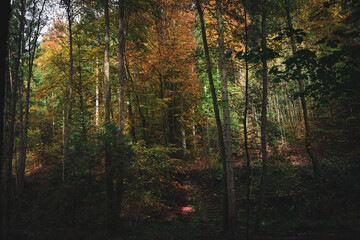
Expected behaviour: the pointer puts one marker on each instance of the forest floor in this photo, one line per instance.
(297, 208)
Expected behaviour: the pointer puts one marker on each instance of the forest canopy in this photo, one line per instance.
(191, 119)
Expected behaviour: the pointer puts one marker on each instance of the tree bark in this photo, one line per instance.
(17, 161)
(263, 134)
(118, 192)
(138, 105)
(232, 213)
(109, 185)
(3, 88)
(97, 110)
(309, 149)
(82, 111)
(23, 145)
(3, 137)
(3, 96)
(121, 66)
(66, 150)
(8, 163)
(216, 109)
(132, 120)
(246, 144)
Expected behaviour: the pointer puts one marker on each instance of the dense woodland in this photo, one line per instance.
(180, 119)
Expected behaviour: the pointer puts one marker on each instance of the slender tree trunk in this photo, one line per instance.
(138, 105)
(232, 213)
(17, 163)
(109, 185)
(118, 193)
(183, 141)
(32, 50)
(97, 101)
(279, 119)
(309, 149)
(121, 66)
(216, 110)
(53, 116)
(194, 131)
(246, 109)
(8, 163)
(131, 106)
(97, 110)
(63, 142)
(66, 150)
(263, 180)
(132, 120)
(82, 112)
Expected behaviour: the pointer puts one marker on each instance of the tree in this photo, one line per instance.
(32, 35)
(109, 185)
(264, 103)
(246, 144)
(3, 41)
(230, 184)
(121, 91)
(8, 163)
(309, 149)
(215, 106)
(66, 151)
(121, 67)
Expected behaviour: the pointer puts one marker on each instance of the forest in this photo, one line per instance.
(180, 119)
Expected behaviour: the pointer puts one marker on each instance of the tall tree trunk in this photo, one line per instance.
(97, 110)
(17, 163)
(121, 66)
(121, 117)
(163, 109)
(309, 150)
(97, 102)
(3, 154)
(216, 110)
(232, 213)
(8, 163)
(131, 105)
(109, 185)
(132, 120)
(194, 130)
(3, 137)
(138, 105)
(82, 107)
(66, 153)
(63, 142)
(264, 103)
(82, 112)
(183, 141)
(246, 109)
(23, 145)
(3, 89)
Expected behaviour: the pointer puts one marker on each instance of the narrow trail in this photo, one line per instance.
(206, 205)
(199, 203)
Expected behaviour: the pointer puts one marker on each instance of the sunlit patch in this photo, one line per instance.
(184, 209)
